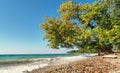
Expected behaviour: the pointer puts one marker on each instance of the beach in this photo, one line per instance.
(19, 63)
(89, 65)
(84, 63)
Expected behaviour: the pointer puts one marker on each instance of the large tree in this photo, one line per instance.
(87, 27)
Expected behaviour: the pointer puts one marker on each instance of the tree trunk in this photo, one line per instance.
(105, 51)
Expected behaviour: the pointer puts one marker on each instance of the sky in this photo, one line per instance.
(20, 21)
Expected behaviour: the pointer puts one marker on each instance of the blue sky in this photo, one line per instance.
(20, 25)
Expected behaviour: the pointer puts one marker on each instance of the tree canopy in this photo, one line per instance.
(89, 27)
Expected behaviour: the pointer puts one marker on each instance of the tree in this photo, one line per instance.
(87, 27)
(114, 19)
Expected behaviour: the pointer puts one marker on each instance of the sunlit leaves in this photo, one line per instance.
(87, 27)
(58, 33)
(69, 10)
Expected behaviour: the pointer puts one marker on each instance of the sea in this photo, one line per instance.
(18, 63)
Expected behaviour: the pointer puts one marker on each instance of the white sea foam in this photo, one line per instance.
(64, 60)
(39, 64)
(20, 69)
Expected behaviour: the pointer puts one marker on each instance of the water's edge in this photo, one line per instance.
(22, 64)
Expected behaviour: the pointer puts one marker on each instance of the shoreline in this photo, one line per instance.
(86, 63)
(36, 63)
(89, 65)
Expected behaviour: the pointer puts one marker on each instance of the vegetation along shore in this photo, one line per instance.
(92, 28)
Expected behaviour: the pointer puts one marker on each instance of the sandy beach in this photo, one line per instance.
(90, 65)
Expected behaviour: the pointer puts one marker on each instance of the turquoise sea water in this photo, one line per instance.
(14, 57)
(10, 59)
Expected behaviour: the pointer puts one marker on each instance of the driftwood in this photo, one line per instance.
(110, 56)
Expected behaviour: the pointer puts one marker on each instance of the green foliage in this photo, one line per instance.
(114, 8)
(87, 50)
(59, 34)
(88, 27)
